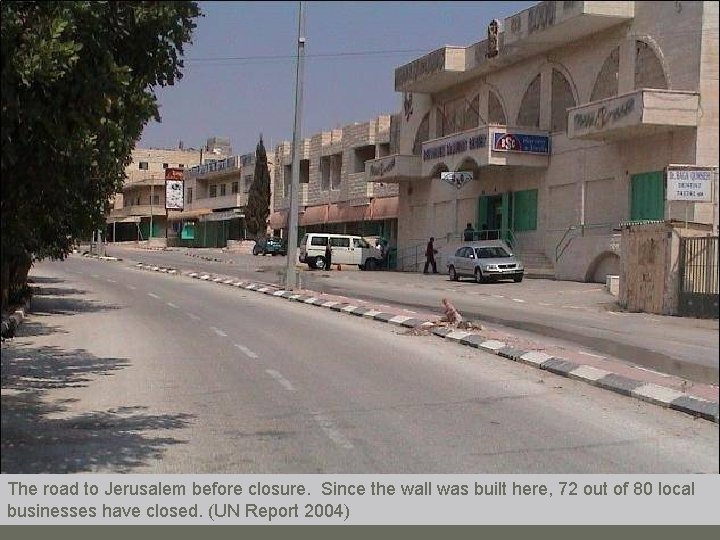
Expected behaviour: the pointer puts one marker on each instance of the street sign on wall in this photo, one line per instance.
(457, 179)
(521, 142)
(689, 183)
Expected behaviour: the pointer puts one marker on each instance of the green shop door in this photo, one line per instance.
(647, 196)
(493, 216)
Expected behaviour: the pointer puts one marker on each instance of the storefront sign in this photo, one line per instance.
(174, 173)
(454, 145)
(689, 184)
(382, 167)
(174, 194)
(521, 142)
(607, 114)
(422, 67)
(457, 179)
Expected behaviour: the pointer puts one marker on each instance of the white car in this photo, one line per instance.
(489, 260)
(346, 249)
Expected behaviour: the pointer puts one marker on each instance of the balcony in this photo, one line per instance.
(137, 210)
(234, 200)
(529, 33)
(395, 168)
(492, 145)
(642, 112)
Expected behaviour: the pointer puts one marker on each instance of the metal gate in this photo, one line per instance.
(699, 277)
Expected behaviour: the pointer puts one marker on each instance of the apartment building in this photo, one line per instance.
(334, 194)
(142, 200)
(567, 114)
(216, 196)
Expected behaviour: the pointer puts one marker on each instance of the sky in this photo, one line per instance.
(239, 75)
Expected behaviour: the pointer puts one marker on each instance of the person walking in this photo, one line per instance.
(430, 252)
(328, 255)
(469, 233)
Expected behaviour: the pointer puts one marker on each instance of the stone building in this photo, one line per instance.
(567, 114)
(143, 194)
(334, 193)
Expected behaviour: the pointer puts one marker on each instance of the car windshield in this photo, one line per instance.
(491, 253)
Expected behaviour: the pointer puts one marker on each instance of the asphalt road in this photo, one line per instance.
(581, 315)
(120, 370)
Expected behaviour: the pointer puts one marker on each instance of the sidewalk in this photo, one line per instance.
(666, 390)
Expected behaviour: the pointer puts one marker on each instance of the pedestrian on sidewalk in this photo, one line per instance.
(469, 233)
(328, 255)
(430, 253)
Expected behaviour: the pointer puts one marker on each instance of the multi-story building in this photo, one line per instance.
(334, 194)
(567, 116)
(142, 200)
(216, 197)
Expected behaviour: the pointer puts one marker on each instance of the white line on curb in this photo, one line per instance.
(287, 385)
(218, 331)
(172, 305)
(193, 316)
(591, 354)
(153, 295)
(131, 287)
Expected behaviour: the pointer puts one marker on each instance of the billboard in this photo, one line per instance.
(689, 183)
(174, 188)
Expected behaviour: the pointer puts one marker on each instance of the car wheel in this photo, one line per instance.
(319, 263)
(478, 276)
(255, 252)
(517, 279)
(370, 265)
(452, 273)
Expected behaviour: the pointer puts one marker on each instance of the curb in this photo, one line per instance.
(11, 323)
(648, 392)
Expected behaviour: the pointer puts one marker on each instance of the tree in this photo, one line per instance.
(78, 86)
(258, 206)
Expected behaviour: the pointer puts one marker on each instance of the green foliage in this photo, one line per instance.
(78, 86)
(258, 207)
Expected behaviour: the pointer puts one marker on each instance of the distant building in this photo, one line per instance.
(334, 193)
(143, 194)
(567, 115)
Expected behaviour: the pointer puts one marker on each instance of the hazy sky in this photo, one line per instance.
(239, 76)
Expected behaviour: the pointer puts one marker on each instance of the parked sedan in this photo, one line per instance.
(273, 246)
(485, 261)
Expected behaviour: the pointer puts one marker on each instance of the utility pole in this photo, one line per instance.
(152, 193)
(290, 274)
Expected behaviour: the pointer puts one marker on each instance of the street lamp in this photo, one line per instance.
(290, 274)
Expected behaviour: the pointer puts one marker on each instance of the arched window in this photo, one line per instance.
(529, 114)
(649, 72)
(422, 134)
(496, 113)
(606, 83)
(471, 119)
(562, 99)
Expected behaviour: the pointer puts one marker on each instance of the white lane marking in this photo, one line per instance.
(544, 304)
(193, 316)
(652, 371)
(287, 385)
(411, 311)
(153, 295)
(498, 295)
(218, 331)
(172, 305)
(111, 281)
(328, 426)
(246, 351)
(518, 300)
(573, 307)
(591, 354)
(95, 276)
(131, 287)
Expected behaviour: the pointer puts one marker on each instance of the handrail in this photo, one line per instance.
(558, 251)
(562, 245)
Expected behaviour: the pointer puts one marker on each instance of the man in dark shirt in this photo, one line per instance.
(430, 252)
(468, 233)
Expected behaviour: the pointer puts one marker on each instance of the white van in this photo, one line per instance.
(346, 249)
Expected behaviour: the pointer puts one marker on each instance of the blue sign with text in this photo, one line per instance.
(521, 142)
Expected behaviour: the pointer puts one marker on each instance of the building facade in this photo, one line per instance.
(216, 197)
(334, 193)
(567, 115)
(141, 204)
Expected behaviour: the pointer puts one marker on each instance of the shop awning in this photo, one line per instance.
(314, 215)
(188, 214)
(384, 208)
(344, 214)
(279, 219)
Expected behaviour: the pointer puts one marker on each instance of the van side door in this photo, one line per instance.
(341, 253)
